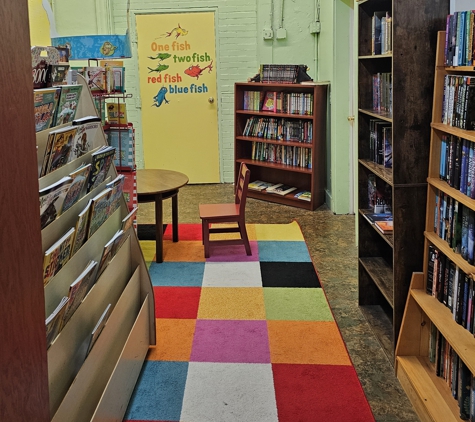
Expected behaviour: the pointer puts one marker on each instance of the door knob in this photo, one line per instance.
(211, 100)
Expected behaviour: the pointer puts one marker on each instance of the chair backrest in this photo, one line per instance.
(242, 183)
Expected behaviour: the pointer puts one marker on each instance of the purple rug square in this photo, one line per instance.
(230, 341)
(233, 253)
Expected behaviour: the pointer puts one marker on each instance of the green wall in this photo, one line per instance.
(240, 48)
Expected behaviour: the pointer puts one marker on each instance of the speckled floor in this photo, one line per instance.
(331, 241)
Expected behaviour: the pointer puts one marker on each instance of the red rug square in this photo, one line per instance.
(319, 393)
(177, 302)
(185, 232)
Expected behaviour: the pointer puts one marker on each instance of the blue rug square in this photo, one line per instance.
(158, 394)
(287, 251)
(177, 274)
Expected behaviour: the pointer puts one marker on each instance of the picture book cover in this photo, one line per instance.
(259, 185)
(61, 148)
(269, 102)
(108, 252)
(374, 217)
(282, 189)
(130, 189)
(84, 140)
(117, 113)
(101, 162)
(304, 195)
(51, 200)
(96, 78)
(56, 255)
(384, 227)
(45, 103)
(53, 322)
(129, 219)
(117, 186)
(68, 102)
(79, 289)
(57, 74)
(123, 142)
(81, 228)
(99, 210)
(77, 189)
(96, 332)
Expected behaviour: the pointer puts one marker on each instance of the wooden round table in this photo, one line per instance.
(155, 185)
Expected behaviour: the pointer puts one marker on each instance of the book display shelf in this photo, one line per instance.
(395, 81)
(96, 386)
(437, 328)
(288, 143)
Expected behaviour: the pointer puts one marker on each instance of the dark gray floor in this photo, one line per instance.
(331, 241)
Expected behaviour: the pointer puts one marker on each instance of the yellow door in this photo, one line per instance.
(177, 72)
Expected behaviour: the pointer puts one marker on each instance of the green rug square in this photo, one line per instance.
(299, 304)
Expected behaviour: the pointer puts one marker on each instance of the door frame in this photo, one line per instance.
(134, 47)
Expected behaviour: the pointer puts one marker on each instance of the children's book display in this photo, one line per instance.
(97, 287)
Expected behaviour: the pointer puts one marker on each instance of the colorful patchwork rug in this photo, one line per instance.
(244, 338)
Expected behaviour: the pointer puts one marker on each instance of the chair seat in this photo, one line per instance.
(219, 210)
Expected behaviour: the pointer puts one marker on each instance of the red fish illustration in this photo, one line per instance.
(177, 31)
(196, 71)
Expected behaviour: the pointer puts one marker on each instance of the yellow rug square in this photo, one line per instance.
(306, 342)
(232, 303)
(174, 340)
(148, 248)
(289, 232)
(183, 251)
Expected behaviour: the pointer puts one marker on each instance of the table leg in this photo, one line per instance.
(175, 217)
(159, 227)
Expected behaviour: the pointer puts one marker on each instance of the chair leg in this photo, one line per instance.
(244, 237)
(205, 229)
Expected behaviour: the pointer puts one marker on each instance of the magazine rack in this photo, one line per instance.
(99, 386)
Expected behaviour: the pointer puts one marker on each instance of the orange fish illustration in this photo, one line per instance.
(196, 71)
(177, 31)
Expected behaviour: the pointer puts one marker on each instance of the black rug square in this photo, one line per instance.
(289, 274)
(147, 231)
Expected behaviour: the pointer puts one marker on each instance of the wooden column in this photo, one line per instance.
(23, 360)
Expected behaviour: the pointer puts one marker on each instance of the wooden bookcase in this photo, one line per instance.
(310, 179)
(430, 395)
(97, 387)
(386, 262)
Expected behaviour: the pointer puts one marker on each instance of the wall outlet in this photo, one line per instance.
(315, 27)
(281, 34)
(267, 34)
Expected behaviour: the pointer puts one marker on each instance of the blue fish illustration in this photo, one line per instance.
(160, 97)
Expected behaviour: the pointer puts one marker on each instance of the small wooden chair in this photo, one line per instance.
(228, 213)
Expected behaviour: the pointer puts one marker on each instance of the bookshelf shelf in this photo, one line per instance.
(311, 178)
(389, 238)
(406, 112)
(427, 318)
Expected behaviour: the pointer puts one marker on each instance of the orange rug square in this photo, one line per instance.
(306, 342)
(174, 340)
(183, 251)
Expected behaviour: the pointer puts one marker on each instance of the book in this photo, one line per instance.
(116, 186)
(269, 102)
(77, 189)
(123, 140)
(96, 332)
(282, 189)
(116, 113)
(52, 198)
(259, 185)
(54, 321)
(99, 211)
(45, 102)
(128, 220)
(57, 255)
(101, 162)
(374, 217)
(83, 142)
(57, 74)
(67, 105)
(58, 149)
(96, 78)
(385, 227)
(79, 289)
(81, 228)
(108, 252)
(304, 195)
